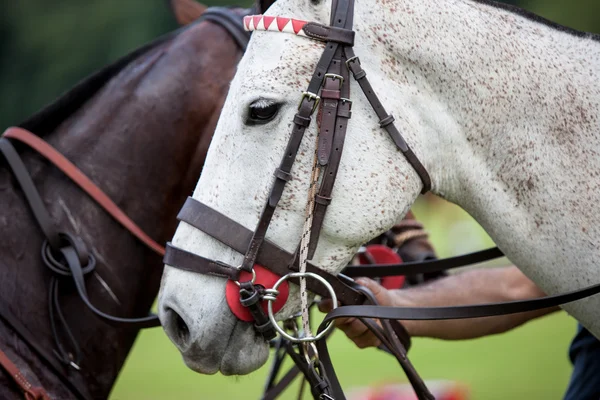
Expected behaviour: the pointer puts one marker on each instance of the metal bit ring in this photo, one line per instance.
(283, 333)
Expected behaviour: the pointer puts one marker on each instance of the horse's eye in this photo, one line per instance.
(262, 111)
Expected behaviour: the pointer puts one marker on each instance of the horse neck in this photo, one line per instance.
(136, 139)
(507, 112)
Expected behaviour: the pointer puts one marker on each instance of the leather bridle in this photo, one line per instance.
(66, 254)
(329, 89)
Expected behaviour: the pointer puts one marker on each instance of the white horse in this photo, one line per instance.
(502, 108)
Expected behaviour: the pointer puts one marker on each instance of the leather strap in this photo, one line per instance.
(75, 174)
(31, 194)
(330, 95)
(422, 267)
(271, 256)
(386, 120)
(191, 262)
(327, 33)
(461, 312)
(31, 392)
(325, 191)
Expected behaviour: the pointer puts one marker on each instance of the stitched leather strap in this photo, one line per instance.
(31, 392)
(271, 256)
(325, 191)
(326, 33)
(191, 262)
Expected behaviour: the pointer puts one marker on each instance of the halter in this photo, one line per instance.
(329, 93)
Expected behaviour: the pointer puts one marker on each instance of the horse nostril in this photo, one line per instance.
(177, 329)
(182, 329)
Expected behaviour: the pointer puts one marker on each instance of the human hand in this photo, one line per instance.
(354, 329)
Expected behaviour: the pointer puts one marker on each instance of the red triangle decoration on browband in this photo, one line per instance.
(282, 22)
(267, 21)
(297, 25)
(256, 19)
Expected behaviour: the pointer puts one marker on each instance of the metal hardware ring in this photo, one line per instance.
(272, 317)
(251, 281)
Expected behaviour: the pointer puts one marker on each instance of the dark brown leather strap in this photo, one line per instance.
(31, 392)
(324, 196)
(330, 96)
(461, 312)
(421, 267)
(31, 194)
(270, 256)
(386, 121)
(194, 263)
(327, 33)
(69, 169)
(305, 110)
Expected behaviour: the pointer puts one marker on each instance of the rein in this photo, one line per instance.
(329, 93)
(66, 254)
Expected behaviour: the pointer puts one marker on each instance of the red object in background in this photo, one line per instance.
(265, 278)
(381, 254)
(442, 390)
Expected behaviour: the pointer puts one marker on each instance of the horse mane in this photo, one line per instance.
(52, 115)
(541, 20)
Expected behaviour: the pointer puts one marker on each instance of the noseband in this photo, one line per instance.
(328, 93)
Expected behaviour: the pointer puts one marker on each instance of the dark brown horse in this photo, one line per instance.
(135, 128)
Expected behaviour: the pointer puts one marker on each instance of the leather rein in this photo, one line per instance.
(329, 92)
(66, 254)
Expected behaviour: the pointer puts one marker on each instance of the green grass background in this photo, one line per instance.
(530, 362)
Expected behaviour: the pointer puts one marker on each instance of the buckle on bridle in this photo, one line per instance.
(311, 97)
(352, 59)
(334, 77)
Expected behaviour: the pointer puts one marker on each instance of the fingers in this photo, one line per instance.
(325, 305)
(382, 294)
(354, 329)
(366, 340)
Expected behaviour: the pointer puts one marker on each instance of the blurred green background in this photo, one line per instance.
(46, 46)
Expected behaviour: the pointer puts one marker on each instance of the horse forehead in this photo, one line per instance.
(280, 58)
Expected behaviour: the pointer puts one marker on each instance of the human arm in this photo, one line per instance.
(489, 285)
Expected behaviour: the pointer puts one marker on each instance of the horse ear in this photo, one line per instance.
(186, 11)
(262, 5)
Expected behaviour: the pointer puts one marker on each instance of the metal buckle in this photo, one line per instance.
(352, 59)
(334, 77)
(312, 97)
(272, 316)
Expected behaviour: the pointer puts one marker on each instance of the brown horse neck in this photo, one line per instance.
(145, 130)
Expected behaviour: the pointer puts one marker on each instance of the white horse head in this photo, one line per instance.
(501, 108)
